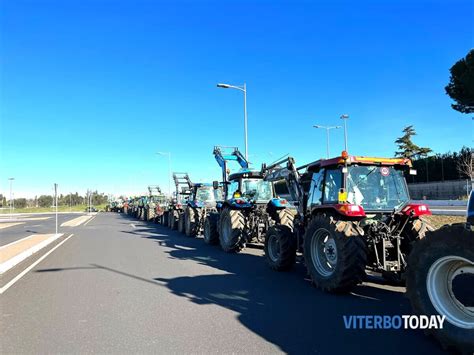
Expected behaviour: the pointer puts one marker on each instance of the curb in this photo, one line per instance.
(7, 265)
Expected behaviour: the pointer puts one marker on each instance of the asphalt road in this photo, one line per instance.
(123, 286)
(32, 224)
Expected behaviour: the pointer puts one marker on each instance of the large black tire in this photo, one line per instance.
(174, 218)
(150, 214)
(164, 218)
(191, 222)
(181, 223)
(232, 224)
(280, 248)
(340, 264)
(286, 217)
(431, 262)
(211, 236)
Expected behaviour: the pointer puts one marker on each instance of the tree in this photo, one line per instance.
(408, 149)
(45, 201)
(461, 84)
(20, 203)
(466, 166)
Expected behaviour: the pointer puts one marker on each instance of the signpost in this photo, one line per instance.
(56, 204)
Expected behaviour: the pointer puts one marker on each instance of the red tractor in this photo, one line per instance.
(353, 214)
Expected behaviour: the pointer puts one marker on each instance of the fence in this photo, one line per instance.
(440, 190)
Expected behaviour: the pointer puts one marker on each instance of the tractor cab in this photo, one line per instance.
(247, 187)
(205, 195)
(356, 186)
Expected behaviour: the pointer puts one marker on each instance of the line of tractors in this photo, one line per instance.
(344, 218)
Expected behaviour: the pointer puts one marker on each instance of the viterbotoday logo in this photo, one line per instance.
(394, 322)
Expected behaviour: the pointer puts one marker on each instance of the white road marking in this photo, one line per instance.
(133, 226)
(24, 272)
(8, 225)
(16, 241)
(89, 220)
(8, 264)
(76, 221)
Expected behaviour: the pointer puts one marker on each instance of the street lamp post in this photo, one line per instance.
(345, 117)
(11, 193)
(327, 128)
(169, 169)
(242, 88)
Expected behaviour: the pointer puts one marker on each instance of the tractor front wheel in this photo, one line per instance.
(190, 221)
(335, 254)
(280, 248)
(181, 223)
(174, 218)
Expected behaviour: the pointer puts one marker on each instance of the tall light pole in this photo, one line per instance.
(345, 117)
(242, 88)
(169, 169)
(327, 128)
(11, 193)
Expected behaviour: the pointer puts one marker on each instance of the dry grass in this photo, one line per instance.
(438, 221)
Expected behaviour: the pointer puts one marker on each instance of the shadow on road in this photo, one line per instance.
(282, 308)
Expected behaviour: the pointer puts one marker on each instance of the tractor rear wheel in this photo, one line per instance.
(439, 282)
(151, 214)
(174, 218)
(210, 229)
(190, 222)
(231, 232)
(181, 223)
(280, 248)
(335, 254)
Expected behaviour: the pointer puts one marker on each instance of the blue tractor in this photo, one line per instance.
(249, 206)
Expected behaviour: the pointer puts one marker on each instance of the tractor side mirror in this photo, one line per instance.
(215, 185)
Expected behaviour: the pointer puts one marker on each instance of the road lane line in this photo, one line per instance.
(90, 220)
(8, 225)
(76, 221)
(24, 272)
(16, 241)
(15, 254)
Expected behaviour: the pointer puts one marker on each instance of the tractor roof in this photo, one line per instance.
(357, 160)
(202, 184)
(246, 173)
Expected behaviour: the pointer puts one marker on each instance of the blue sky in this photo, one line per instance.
(92, 89)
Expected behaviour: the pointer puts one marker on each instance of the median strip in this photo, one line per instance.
(14, 253)
(76, 221)
(7, 225)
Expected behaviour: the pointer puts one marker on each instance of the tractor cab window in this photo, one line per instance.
(205, 193)
(233, 186)
(257, 189)
(332, 185)
(376, 188)
(316, 188)
(218, 194)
